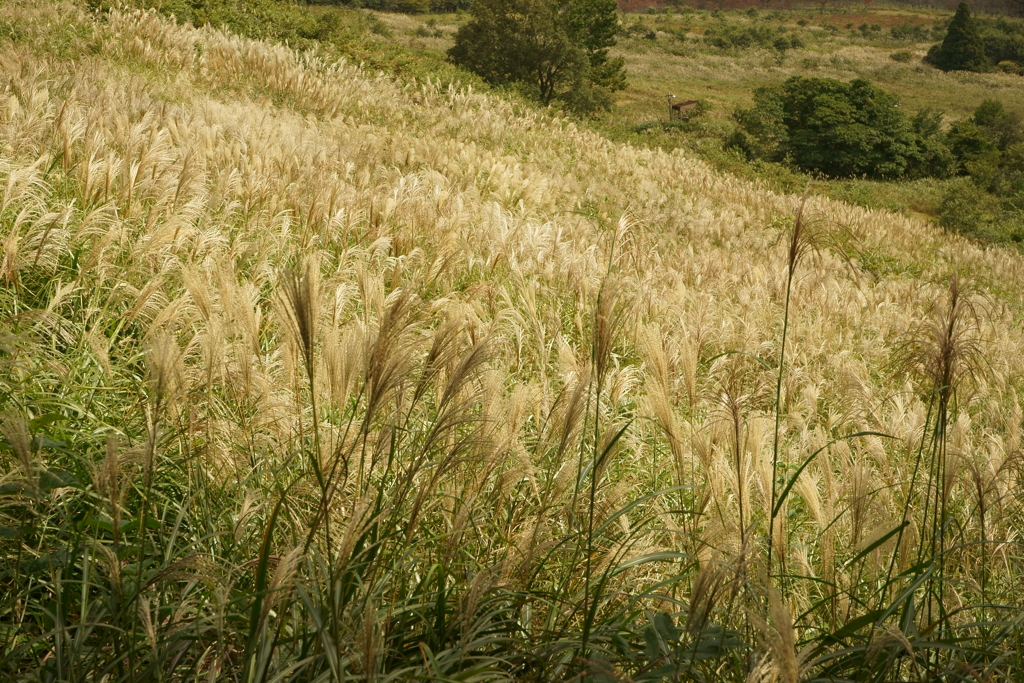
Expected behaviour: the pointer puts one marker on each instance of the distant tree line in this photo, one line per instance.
(1010, 7)
(1006, 7)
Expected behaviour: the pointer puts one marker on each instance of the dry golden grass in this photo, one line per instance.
(281, 238)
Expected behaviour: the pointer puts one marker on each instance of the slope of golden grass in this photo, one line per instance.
(728, 80)
(160, 183)
(665, 52)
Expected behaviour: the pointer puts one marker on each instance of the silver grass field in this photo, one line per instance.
(311, 374)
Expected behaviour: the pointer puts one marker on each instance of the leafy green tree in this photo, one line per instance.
(980, 143)
(988, 148)
(1004, 127)
(551, 49)
(968, 141)
(935, 159)
(826, 126)
(963, 48)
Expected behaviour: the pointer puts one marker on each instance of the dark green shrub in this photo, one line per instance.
(678, 33)
(636, 29)
(909, 31)
(376, 26)
(869, 31)
(736, 37)
(971, 211)
(989, 149)
(1001, 42)
(1013, 159)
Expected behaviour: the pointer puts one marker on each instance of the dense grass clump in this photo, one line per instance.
(313, 374)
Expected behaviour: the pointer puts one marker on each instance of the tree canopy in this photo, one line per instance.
(826, 126)
(963, 48)
(551, 49)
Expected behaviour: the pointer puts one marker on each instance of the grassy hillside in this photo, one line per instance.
(721, 57)
(671, 53)
(835, 44)
(314, 374)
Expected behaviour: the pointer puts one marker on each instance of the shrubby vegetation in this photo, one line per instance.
(836, 129)
(977, 44)
(990, 150)
(736, 37)
(1003, 39)
(863, 143)
(910, 31)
